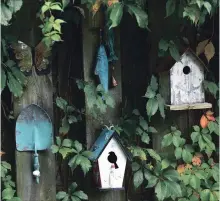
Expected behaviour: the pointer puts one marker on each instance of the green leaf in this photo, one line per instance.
(116, 14)
(137, 151)
(65, 151)
(87, 153)
(196, 128)
(3, 79)
(81, 195)
(178, 152)
(6, 15)
(208, 6)
(65, 3)
(67, 143)
(143, 123)
(213, 127)
(73, 187)
(170, 7)
(167, 140)
(153, 83)
(19, 76)
(6, 165)
(161, 190)
(54, 149)
(150, 93)
(136, 112)
(152, 107)
(8, 194)
(74, 198)
(14, 85)
(58, 141)
(56, 7)
(61, 103)
(205, 195)
(176, 140)
(152, 130)
(138, 178)
(209, 142)
(135, 166)
(145, 138)
(171, 175)
(202, 143)
(163, 45)
(77, 145)
(165, 163)
(110, 101)
(174, 52)
(60, 195)
(195, 136)
(211, 87)
(161, 104)
(141, 16)
(187, 156)
(15, 199)
(195, 182)
(186, 179)
(152, 180)
(72, 119)
(14, 5)
(153, 154)
(65, 126)
(173, 189)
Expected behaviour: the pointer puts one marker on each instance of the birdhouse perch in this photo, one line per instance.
(185, 83)
(109, 158)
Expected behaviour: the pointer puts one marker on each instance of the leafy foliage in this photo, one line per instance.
(155, 100)
(72, 195)
(96, 97)
(8, 186)
(8, 9)
(75, 152)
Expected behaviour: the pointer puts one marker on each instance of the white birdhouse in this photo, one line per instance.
(186, 83)
(109, 158)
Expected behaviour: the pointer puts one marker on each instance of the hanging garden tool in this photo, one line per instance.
(101, 68)
(33, 133)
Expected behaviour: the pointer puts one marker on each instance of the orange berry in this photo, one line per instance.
(181, 169)
(196, 161)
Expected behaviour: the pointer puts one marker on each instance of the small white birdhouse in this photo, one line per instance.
(186, 83)
(109, 158)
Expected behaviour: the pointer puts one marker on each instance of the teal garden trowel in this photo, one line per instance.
(34, 132)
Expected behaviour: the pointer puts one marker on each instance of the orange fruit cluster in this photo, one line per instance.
(205, 119)
(181, 168)
(196, 161)
(110, 2)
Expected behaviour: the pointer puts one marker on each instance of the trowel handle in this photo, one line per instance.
(36, 171)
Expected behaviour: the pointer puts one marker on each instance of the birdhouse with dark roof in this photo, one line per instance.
(109, 158)
(182, 85)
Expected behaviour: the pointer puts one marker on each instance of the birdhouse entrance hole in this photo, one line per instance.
(186, 70)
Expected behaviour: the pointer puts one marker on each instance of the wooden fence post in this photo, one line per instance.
(90, 30)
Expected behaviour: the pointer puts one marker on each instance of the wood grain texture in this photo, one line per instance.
(186, 87)
(195, 106)
(39, 91)
(91, 41)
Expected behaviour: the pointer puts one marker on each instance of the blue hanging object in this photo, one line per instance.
(33, 133)
(101, 68)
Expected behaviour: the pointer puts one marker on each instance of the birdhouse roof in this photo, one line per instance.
(191, 53)
(103, 140)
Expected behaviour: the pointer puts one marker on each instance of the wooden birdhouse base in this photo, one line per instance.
(195, 106)
(112, 189)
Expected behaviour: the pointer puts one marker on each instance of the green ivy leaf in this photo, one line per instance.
(167, 140)
(161, 190)
(153, 83)
(174, 52)
(116, 14)
(152, 180)
(170, 7)
(202, 143)
(74, 198)
(176, 140)
(8, 194)
(15, 199)
(213, 127)
(14, 85)
(138, 178)
(196, 128)
(141, 16)
(77, 145)
(67, 143)
(54, 149)
(195, 182)
(163, 45)
(152, 130)
(211, 87)
(145, 138)
(65, 151)
(178, 152)
(72, 119)
(152, 107)
(153, 154)
(61, 103)
(161, 104)
(81, 195)
(6, 165)
(6, 15)
(173, 189)
(208, 6)
(65, 126)
(187, 156)
(171, 175)
(14, 5)
(165, 163)
(150, 93)
(3, 79)
(110, 101)
(60, 195)
(135, 166)
(195, 136)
